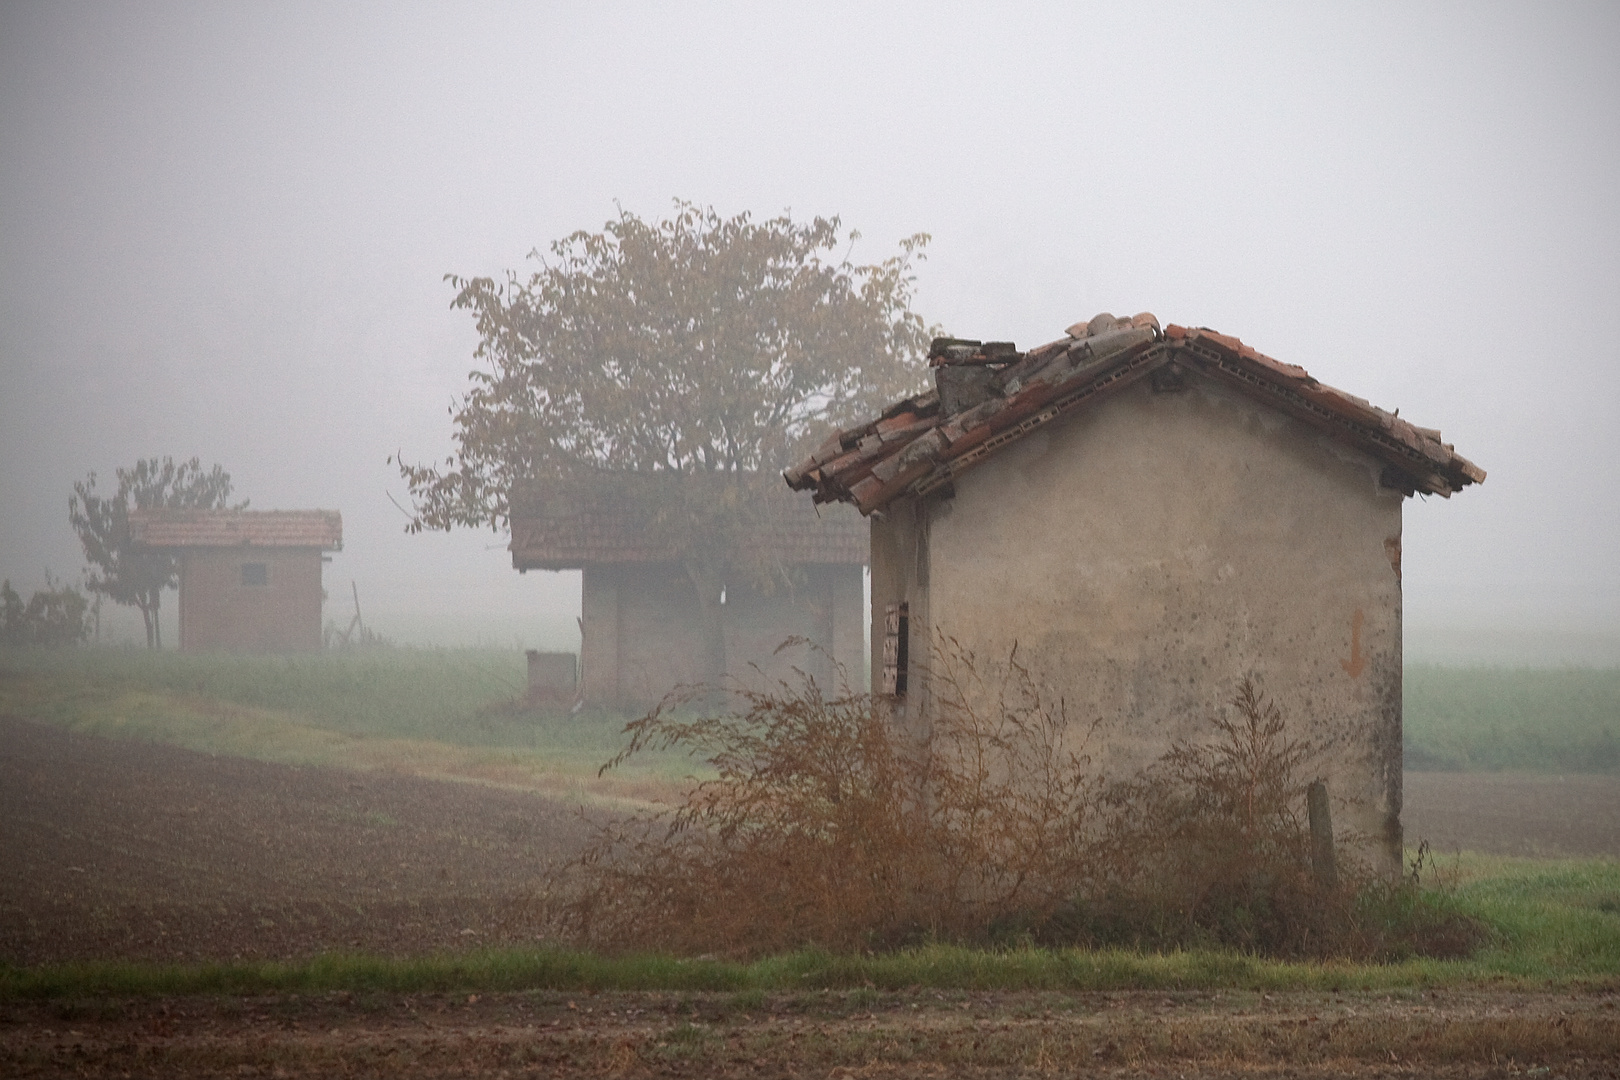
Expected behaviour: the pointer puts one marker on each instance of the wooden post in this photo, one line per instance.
(1323, 862)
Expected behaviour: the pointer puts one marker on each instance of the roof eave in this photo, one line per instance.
(873, 464)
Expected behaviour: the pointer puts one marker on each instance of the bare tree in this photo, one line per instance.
(120, 570)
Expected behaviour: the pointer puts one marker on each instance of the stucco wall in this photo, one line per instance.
(642, 629)
(1148, 554)
(900, 574)
(219, 611)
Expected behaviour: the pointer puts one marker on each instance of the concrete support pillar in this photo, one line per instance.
(599, 641)
(823, 623)
(848, 595)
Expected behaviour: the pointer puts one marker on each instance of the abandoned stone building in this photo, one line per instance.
(250, 580)
(1150, 516)
(641, 616)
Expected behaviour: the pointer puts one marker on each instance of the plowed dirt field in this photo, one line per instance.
(130, 850)
(1528, 814)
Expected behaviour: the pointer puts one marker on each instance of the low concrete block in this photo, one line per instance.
(553, 676)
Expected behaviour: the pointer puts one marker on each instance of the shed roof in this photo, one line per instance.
(235, 528)
(919, 444)
(614, 518)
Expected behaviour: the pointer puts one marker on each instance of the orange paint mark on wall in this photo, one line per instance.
(1357, 663)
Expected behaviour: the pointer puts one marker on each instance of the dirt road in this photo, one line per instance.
(824, 1034)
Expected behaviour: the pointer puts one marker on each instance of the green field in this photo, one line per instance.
(400, 693)
(1489, 719)
(456, 713)
(1549, 720)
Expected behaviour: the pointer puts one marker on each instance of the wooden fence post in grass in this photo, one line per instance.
(1323, 862)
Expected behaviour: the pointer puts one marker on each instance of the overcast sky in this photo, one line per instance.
(224, 230)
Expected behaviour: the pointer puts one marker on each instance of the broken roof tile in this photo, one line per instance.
(911, 447)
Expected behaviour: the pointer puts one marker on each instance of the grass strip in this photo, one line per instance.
(1556, 923)
(272, 706)
(937, 967)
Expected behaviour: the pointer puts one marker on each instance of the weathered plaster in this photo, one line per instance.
(1148, 554)
(900, 574)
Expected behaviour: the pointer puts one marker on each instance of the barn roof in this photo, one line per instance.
(615, 518)
(234, 528)
(994, 395)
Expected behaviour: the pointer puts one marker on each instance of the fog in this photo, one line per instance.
(224, 230)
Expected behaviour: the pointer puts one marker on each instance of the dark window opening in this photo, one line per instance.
(896, 648)
(255, 573)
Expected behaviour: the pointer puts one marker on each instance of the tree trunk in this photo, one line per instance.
(148, 603)
(710, 583)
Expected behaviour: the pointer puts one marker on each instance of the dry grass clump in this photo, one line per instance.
(1211, 846)
(801, 837)
(1011, 805)
(828, 824)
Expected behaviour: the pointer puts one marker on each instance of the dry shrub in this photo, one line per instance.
(1013, 804)
(828, 824)
(803, 836)
(1209, 845)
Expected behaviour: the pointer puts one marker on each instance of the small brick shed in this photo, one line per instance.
(640, 616)
(1149, 515)
(250, 580)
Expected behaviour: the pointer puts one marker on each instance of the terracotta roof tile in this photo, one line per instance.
(913, 448)
(610, 519)
(232, 528)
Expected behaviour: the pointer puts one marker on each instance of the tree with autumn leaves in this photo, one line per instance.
(697, 346)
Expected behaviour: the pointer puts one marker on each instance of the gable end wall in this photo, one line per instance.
(1147, 555)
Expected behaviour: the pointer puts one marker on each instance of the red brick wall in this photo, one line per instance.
(219, 611)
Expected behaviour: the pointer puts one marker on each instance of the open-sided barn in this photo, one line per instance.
(795, 573)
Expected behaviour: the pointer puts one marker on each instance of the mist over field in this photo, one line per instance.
(1171, 745)
(224, 232)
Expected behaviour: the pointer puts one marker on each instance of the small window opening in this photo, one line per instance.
(255, 573)
(896, 648)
